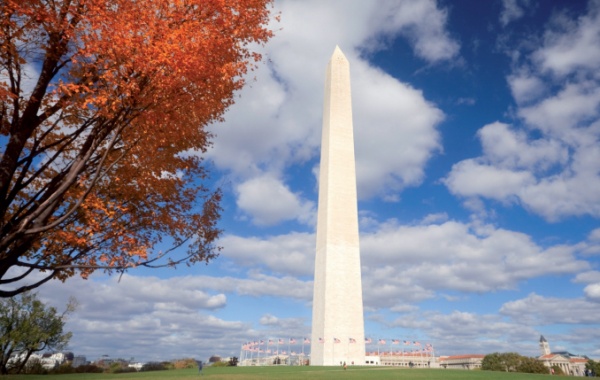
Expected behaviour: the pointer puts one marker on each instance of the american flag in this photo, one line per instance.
(321, 340)
(407, 343)
(306, 340)
(368, 340)
(280, 341)
(262, 342)
(270, 341)
(352, 340)
(381, 341)
(336, 340)
(292, 341)
(416, 343)
(395, 341)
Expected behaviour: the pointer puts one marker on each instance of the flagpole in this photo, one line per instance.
(333, 352)
(347, 347)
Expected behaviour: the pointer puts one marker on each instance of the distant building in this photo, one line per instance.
(48, 360)
(472, 361)
(79, 360)
(544, 346)
(569, 363)
(403, 359)
(214, 359)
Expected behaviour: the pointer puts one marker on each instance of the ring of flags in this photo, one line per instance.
(259, 346)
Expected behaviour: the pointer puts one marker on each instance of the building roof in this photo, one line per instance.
(469, 356)
(542, 339)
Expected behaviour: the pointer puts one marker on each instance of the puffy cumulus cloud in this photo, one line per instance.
(471, 178)
(572, 45)
(562, 114)
(525, 87)
(268, 319)
(134, 295)
(587, 277)
(552, 310)
(592, 292)
(486, 332)
(395, 133)
(389, 287)
(591, 246)
(285, 327)
(268, 201)
(276, 122)
(134, 316)
(550, 164)
(257, 285)
(512, 10)
(421, 22)
(420, 260)
(290, 254)
(507, 147)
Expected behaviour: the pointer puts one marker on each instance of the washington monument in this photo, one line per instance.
(337, 322)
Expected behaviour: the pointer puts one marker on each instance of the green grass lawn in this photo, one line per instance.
(292, 373)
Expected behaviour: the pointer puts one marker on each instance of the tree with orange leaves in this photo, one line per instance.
(103, 109)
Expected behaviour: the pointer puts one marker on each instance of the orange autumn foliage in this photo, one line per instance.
(103, 109)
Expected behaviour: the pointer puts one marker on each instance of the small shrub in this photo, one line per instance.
(62, 369)
(220, 364)
(152, 366)
(185, 363)
(557, 370)
(125, 370)
(88, 368)
(168, 365)
(35, 367)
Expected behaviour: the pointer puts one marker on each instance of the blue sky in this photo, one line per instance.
(477, 127)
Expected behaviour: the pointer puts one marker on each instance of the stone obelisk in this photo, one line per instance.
(337, 321)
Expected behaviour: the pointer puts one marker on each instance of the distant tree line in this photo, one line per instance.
(593, 367)
(512, 362)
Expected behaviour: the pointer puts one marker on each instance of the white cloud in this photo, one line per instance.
(562, 115)
(509, 148)
(472, 178)
(269, 202)
(575, 45)
(291, 254)
(135, 315)
(419, 261)
(276, 122)
(395, 133)
(422, 22)
(594, 235)
(552, 310)
(592, 292)
(551, 163)
(486, 332)
(512, 10)
(258, 285)
(525, 87)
